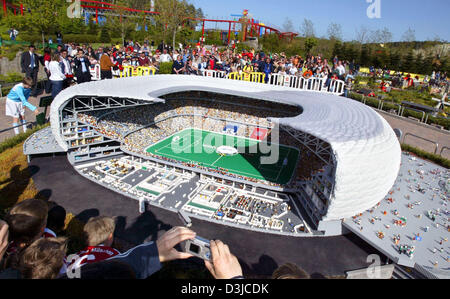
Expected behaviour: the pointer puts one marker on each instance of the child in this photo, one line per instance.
(55, 222)
(43, 259)
(16, 100)
(27, 221)
(99, 232)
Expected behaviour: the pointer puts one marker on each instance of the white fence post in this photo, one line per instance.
(95, 72)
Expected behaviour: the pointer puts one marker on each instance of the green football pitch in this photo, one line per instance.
(199, 147)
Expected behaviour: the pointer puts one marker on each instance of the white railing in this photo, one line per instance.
(214, 74)
(336, 87)
(311, 84)
(96, 74)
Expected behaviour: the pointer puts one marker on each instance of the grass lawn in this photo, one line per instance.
(16, 184)
(199, 147)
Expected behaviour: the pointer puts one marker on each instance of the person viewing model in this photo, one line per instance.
(16, 102)
(29, 62)
(106, 64)
(57, 77)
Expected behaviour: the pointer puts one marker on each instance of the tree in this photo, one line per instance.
(92, 29)
(418, 63)
(408, 62)
(395, 60)
(362, 35)
(69, 25)
(409, 35)
(172, 15)
(307, 28)
(381, 36)
(386, 36)
(104, 35)
(338, 49)
(350, 51)
(122, 21)
(427, 65)
(43, 17)
(310, 43)
(334, 31)
(365, 57)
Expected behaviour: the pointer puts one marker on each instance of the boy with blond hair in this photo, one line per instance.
(99, 234)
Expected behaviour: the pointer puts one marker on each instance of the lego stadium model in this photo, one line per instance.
(253, 156)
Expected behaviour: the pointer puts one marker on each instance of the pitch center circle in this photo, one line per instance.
(227, 151)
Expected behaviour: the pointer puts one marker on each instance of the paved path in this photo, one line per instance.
(441, 137)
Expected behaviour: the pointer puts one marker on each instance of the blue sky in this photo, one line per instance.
(429, 18)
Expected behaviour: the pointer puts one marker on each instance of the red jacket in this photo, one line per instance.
(93, 254)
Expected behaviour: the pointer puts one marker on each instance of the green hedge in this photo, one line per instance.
(76, 38)
(11, 78)
(165, 68)
(10, 51)
(426, 155)
(81, 38)
(18, 139)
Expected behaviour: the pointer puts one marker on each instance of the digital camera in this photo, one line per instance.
(199, 247)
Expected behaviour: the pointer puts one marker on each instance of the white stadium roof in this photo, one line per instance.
(366, 150)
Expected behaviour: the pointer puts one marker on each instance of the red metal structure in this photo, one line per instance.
(103, 7)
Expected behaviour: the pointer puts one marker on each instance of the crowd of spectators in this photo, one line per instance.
(189, 60)
(73, 61)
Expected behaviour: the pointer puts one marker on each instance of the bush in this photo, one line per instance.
(29, 38)
(11, 78)
(10, 52)
(104, 36)
(241, 47)
(81, 38)
(165, 68)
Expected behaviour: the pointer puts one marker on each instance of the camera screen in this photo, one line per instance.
(194, 248)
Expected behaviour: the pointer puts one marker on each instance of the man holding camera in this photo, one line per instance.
(223, 265)
(144, 260)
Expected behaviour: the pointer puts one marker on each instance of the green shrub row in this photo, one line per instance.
(165, 68)
(11, 78)
(81, 38)
(426, 155)
(18, 139)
